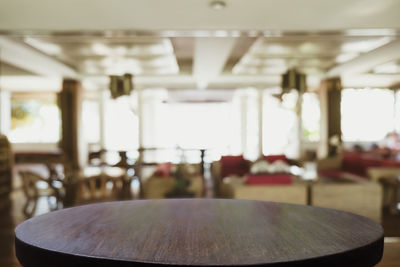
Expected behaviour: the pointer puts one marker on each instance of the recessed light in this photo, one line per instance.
(217, 5)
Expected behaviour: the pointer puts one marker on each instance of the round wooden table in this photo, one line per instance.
(198, 232)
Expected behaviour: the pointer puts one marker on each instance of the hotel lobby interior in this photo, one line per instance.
(285, 101)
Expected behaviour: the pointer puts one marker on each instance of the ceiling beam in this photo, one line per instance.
(242, 46)
(371, 80)
(27, 58)
(366, 62)
(188, 81)
(210, 56)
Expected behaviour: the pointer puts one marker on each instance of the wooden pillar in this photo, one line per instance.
(5, 112)
(330, 98)
(72, 141)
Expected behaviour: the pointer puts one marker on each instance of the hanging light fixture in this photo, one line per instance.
(217, 4)
(293, 80)
(121, 85)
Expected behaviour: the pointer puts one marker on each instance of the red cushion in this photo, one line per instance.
(390, 163)
(335, 174)
(352, 163)
(273, 158)
(368, 163)
(233, 165)
(269, 179)
(163, 169)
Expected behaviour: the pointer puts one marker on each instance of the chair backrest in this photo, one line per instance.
(94, 188)
(29, 180)
(234, 165)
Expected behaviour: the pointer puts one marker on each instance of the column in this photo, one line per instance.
(330, 98)
(5, 111)
(72, 141)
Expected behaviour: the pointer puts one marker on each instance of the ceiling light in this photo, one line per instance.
(364, 46)
(345, 57)
(217, 5)
(388, 68)
(100, 49)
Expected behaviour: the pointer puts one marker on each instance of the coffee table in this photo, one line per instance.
(198, 232)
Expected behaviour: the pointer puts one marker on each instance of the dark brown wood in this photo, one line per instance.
(334, 112)
(6, 171)
(198, 232)
(70, 102)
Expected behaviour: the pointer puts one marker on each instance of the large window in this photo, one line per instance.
(189, 125)
(310, 117)
(197, 126)
(91, 120)
(280, 125)
(397, 112)
(367, 114)
(35, 118)
(121, 124)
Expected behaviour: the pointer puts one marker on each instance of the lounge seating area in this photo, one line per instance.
(353, 164)
(217, 101)
(353, 194)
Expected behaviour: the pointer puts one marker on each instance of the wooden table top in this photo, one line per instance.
(204, 232)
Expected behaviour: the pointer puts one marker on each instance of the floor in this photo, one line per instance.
(13, 215)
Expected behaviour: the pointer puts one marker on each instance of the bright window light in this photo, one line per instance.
(34, 120)
(91, 121)
(191, 126)
(121, 125)
(214, 126)
(367, 114)
(280, 126)
(310, 117)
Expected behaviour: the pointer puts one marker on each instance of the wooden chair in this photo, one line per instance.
(34, 187)
(100, 184)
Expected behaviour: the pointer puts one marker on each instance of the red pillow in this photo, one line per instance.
(273, 158)
(163, 169)
(353, 163)
(233, 165)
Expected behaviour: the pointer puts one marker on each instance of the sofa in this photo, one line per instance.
(163, 180)
(357, 165)
(225, 167)
(237, 188)
(356, 195)
(352, 193)
(234, 180)
(353, 165)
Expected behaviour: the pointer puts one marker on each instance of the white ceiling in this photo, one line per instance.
(150, 15)
(173, 43)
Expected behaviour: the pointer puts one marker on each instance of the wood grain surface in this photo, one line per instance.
(198, 232)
